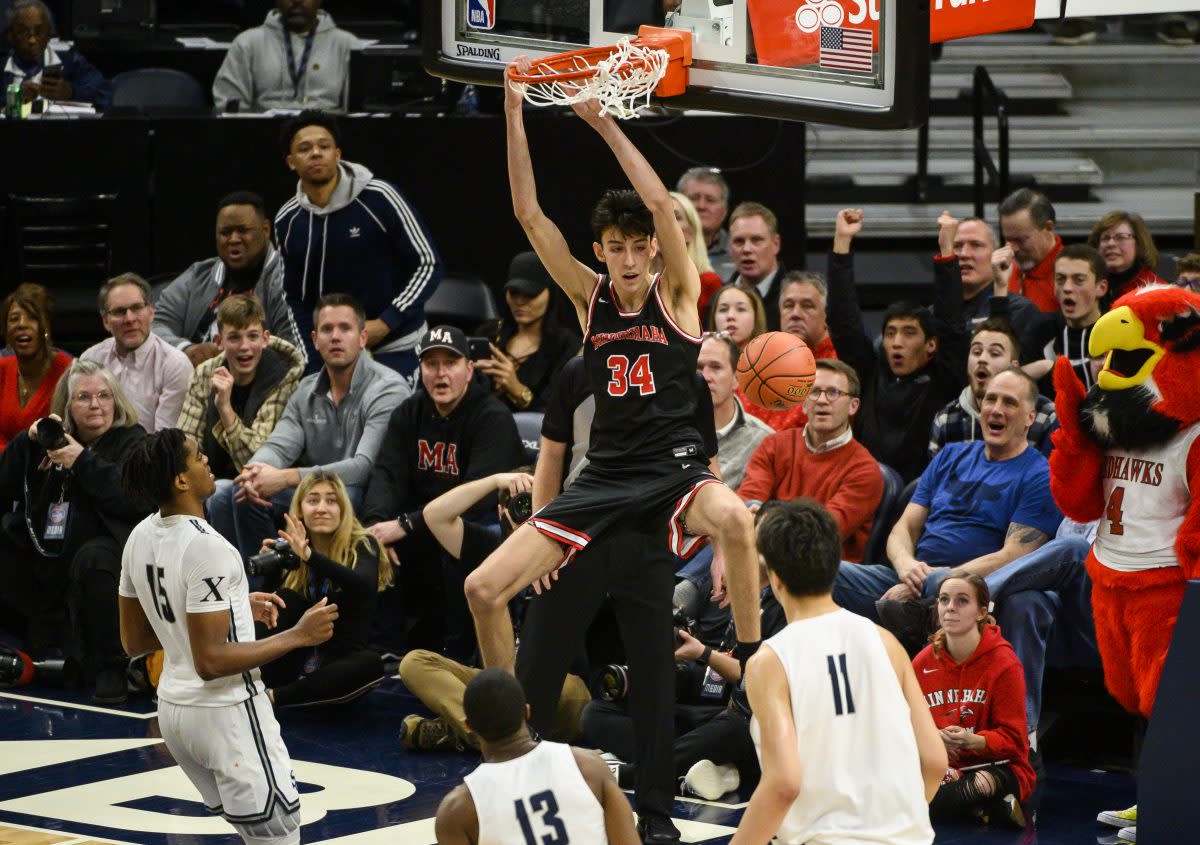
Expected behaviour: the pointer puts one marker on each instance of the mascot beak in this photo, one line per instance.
(1130, 358)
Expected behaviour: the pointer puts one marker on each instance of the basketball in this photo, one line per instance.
(776, 370)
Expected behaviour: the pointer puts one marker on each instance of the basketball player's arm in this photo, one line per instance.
(1019, 541)
(767, 686)
(681, 279)
(137, 636)
(215, 657)
(930, 748)
(547, 241)
(457, 822)
(547, 475)
(618, 815)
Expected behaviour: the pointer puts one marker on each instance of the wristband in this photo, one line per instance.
(704, 657)
(405, 523)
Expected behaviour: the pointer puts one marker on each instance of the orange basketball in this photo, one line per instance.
(776, 370)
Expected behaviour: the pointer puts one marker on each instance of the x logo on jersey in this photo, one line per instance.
(213, 592)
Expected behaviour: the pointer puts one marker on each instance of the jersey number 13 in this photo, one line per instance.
(545, 805)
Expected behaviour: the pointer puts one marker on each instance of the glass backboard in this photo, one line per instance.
(849, 62)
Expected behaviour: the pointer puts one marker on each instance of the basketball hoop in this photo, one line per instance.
(621, 76)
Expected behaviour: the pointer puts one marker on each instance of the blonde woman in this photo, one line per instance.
(334, 557)
(689, 221)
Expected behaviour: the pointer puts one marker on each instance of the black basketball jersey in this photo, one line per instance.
(641, 367)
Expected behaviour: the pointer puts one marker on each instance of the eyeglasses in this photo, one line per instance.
(104, 397)
(1192, 282)
(1120, 238)
(830, 393)
(135, 310)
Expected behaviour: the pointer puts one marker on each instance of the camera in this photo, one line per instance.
(277, 558)
(51, 434)
(612, 684)
(682, 622)
(520, 508)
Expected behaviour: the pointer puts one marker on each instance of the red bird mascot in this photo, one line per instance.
(1128, 454)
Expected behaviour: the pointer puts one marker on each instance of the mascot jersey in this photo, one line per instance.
(1128, 454)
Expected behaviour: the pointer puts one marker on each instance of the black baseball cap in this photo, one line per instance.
(527, 275)
(444, 337)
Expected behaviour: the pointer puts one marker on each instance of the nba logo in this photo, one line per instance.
(481, 14)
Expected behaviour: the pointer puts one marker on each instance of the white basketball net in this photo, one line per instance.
(622, 82)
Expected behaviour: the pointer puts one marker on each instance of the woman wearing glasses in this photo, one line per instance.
(64, 538)
(1128, 250)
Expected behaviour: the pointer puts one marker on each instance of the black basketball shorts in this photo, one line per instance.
(603, 499)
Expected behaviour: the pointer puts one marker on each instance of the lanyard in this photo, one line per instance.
(297, 74)
(62, 495)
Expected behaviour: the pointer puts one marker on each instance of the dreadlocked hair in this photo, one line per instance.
(153, 463)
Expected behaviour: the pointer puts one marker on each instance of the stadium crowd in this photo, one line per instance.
(388, 457)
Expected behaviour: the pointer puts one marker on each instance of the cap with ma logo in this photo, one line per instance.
(444, 337)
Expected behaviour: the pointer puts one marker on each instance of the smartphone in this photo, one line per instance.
(52, 72)
(481, 347)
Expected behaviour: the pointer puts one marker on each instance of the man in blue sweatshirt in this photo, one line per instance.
(39, 69)
(347, 232)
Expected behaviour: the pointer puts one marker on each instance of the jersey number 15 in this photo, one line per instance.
(158, 592)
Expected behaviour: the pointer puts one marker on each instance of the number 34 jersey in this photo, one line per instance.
(540, 796)
(641, 367)
(179, 565)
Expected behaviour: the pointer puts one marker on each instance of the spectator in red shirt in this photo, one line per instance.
(1128, 250)
(822, 460)
(975, 688)
(1027, 222)
(29, 375)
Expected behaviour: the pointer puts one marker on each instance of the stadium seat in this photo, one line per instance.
(891, 505)
(63, 243)
(529, 427)
(462, 301)
(159, 90)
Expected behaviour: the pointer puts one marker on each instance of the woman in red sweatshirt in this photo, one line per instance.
(975, 689)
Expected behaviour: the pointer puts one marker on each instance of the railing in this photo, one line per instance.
(988, 171)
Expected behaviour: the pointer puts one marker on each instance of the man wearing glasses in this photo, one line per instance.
(155, 374)
(1187, 271)
(822, 460)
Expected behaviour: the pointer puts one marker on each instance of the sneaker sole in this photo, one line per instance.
(1115, 820)
(707, 782)
(1075, 42)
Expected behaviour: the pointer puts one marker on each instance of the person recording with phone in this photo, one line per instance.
(529, 343)
(440, 682)
(51, 73)
(64, 539)
(322, 552)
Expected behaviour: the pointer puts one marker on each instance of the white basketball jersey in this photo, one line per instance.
(179, 565)
(860, 773)
(1146, 498)
(537, 797)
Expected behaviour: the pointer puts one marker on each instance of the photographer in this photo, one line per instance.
(64, 538)
(713, 751)
(440, 682)
(328, 555)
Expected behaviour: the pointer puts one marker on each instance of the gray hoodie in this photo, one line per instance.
(256, 73)
(183, 304)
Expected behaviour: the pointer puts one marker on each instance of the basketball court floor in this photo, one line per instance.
(75, 774)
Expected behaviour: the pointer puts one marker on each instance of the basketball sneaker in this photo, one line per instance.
(417, 733)
(1127, 834)
(1119, 818)
(710, 781)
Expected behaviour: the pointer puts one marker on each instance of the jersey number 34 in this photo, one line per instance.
(625, 376)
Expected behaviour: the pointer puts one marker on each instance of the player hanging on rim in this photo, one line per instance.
(183, 590)
(641, 342)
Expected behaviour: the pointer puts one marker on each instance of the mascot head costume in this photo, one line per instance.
(1128, 454)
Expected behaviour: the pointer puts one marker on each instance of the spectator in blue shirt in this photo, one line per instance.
(984, 506)
(43, 71)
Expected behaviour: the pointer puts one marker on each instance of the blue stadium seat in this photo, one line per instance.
(891, 504)
(529, 426)
(462, 301)
(157, 89)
